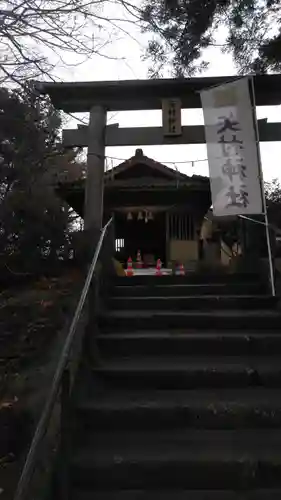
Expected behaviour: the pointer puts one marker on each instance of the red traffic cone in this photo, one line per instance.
(158, 268)
(181, 270)
(139, 261)
(129, 271)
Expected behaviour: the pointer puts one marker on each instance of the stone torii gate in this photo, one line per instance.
(98, 98)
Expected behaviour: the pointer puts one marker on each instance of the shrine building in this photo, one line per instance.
(157, 210)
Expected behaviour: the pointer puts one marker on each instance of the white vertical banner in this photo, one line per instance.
(232, 149)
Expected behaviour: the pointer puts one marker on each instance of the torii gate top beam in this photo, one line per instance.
(126, 95)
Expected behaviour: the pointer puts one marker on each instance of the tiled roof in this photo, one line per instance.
(171, 175)
(140, 158)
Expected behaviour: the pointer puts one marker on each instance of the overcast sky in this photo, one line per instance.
(128, 52)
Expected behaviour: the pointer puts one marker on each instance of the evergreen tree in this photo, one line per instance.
(183, 28)
(34, 222)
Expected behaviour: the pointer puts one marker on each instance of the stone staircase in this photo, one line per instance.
(184, 401)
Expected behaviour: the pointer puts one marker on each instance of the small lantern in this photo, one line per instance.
(150, 216)
(140, 216)
(129, 216)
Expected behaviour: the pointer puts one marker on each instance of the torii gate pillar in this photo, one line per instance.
(95, 170)
(93, 209)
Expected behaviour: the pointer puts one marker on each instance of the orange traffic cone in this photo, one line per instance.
(129, 271)
(158, 268)
(139, 261)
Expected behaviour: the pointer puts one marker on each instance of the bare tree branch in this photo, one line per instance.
(36, 35)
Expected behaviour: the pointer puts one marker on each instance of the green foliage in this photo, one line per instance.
(183, 28)
(34, 222)
(273, 197)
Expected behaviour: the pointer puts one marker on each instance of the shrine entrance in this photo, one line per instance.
(141, 233)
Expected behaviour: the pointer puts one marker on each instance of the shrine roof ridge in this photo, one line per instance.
(126, 95)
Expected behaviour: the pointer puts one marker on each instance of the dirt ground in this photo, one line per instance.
(33, 324)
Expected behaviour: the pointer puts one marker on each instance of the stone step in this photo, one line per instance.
(178, 494)
(187, 289)
(203, 302)
(189, 343)
(189, 278)
(215, 459)
(189, 372)
(213, 409)
(213, 319)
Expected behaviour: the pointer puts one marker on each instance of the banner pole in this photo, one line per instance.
(262, 188)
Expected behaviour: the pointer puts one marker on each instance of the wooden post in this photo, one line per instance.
(93, 209)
